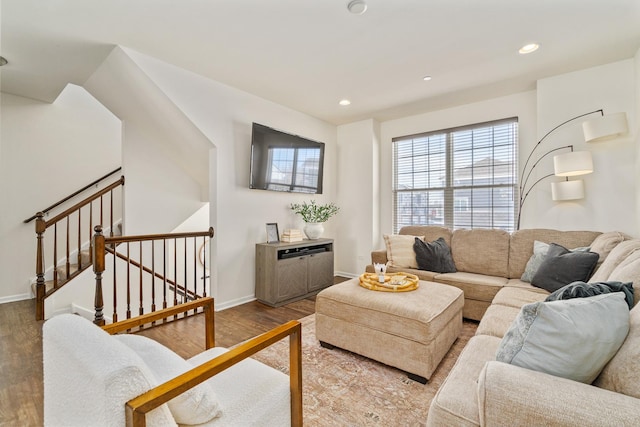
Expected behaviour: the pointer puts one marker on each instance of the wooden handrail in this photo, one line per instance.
(84, 202)
(56, 204)
(137, 408)
(146, 237)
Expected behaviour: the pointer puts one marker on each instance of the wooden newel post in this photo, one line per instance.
(41, 226)
(98, 254)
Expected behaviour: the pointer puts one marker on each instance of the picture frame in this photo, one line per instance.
(272, 233)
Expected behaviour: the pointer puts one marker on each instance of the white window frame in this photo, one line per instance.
(425, 190)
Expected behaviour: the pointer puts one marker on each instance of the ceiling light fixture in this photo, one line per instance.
(528, 48)
(345, 102)
(426, 78)
(357, 7)
(3, 61)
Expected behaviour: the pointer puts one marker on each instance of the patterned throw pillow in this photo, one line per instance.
(400, 250)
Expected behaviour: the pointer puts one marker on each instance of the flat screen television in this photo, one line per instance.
(284, 162)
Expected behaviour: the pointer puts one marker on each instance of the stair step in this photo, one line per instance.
(62, 270)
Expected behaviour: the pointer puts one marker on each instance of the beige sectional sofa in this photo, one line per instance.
(486, 260)
(480, 391)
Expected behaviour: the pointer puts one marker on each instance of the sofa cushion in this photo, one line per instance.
(516, 296)
(540, 250)
(492, 244)
(562, 266)
(519, 284)
(544, 336)
(251, 393)
(616, 256)
(622, 373)
(497, 320)
(604, 244)
(197, 405)
(475, 286)
(456, 402)
(582, 290)
(400, 251)
(429, 232)
(628, 271)
(434, 256)
(521, 244)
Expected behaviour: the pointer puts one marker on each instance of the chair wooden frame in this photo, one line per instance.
(137, 408)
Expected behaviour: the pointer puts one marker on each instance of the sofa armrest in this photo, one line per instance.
(512, 396)
(379, 256)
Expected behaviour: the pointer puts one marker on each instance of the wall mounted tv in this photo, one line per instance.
(284, 162)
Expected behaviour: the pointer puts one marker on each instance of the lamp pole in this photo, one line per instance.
(523, 192)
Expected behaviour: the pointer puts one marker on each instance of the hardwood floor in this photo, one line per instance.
(21, 389)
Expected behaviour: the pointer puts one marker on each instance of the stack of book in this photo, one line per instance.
(292, 235)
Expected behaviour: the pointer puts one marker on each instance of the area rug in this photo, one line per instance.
(344, 389)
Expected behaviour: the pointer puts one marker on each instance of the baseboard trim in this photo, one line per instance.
(82, 311)
(235, 302)
(14, 298)
(343, 274)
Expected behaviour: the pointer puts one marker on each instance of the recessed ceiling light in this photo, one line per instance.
(345, 102)
(426, 78)
(528, 48)
(357, 7)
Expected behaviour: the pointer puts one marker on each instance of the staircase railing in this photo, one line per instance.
(71, 230)
(153, 271)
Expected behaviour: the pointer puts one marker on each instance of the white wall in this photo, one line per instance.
(238, 214)
(611, 190)
(636, 132)
(164, 156)
(358, 195)
(522, 105)
(47, 151)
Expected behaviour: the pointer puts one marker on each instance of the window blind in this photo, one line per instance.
(464, 177)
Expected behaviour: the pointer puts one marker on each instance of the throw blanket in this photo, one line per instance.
(582, 289)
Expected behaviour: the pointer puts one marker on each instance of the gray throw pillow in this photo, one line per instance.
(562, 266)
(434, 256)
(583, 290)
(540, 250)
(572, 338)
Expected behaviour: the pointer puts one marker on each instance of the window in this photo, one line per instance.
(463, 177)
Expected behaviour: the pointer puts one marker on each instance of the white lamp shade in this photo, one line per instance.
(573, 164)
(605, 127)
(567, 190)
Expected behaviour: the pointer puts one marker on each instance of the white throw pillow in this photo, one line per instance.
(195, 406)
(400, 251)
(572, 338)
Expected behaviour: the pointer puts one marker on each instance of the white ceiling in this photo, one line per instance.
(309, 54)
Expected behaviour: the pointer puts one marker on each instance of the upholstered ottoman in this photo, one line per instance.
(411, 331)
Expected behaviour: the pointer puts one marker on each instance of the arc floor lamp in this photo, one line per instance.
(573, 163)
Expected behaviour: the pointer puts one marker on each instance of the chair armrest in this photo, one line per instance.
(136, 409)
(379, 256)
(207, 303)
(509, 395)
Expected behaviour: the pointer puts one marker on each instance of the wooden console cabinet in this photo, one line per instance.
(287, 272)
